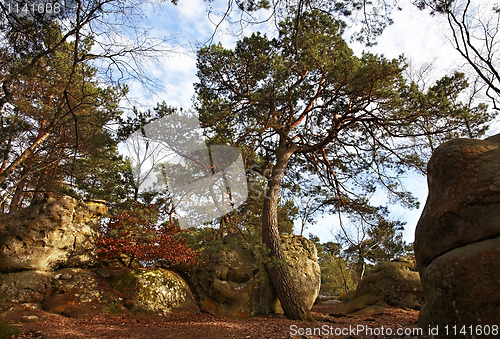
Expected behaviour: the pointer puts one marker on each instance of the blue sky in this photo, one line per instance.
(417, 35)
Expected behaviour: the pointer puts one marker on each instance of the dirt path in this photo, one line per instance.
(38, 324)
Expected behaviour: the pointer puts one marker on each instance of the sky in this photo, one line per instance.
(415, 34)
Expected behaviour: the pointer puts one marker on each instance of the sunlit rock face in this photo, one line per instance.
(233, 282)
(302, 259)
(457, 239)
(394, 284)
(55, 232)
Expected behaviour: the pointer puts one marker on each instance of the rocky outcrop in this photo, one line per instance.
(76, 292)
(233, 282)
(55, 232)
(458, 235)
(47, 261)
(28, 287)
(388, 284)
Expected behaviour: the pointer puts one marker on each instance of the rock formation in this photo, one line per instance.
(56, 232)
(234, 283)
(48, 261)
(302, 259)
(76, 292)
(389, 284)
(156, 291)
(457, 239)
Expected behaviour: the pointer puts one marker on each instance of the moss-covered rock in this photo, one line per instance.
(302, 259)
(149, 291)
(389, 284)
(77, 292)
(233, 283)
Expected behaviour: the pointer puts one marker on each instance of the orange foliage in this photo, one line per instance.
(134, 233)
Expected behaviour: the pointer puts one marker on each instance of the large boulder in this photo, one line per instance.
(389, 284)
(457, 236)
(462, 287)
(151, 291)
(233, 281)
(76, 292)
(58, 231)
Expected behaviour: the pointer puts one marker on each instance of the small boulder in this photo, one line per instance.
(55, 232)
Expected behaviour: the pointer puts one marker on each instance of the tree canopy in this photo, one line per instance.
(313, 111)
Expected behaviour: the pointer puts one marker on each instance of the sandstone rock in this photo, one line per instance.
(56, 232)
(29, 287)
(148, 291)
(234, 282)
(463, 205)
(457, 237)
(388, 284)
(463, 287)
(302, 259)
(77, 292)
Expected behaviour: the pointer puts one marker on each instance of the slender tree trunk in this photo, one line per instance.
(346, 286)
(18, 196)
(361, 268)
(25, 155)
(292, 303)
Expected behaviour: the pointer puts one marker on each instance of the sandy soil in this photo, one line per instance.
(39, 324)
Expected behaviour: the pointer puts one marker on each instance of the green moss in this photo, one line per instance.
(8, 331)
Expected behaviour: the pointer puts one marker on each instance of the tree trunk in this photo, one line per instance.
(18, 196)
(361, 268)
(25, 155)
(346, 286)
(292, 303)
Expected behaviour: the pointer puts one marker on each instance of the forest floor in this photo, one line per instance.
(387, 322)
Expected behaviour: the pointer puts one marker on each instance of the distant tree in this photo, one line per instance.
(372, 240)
(335, 276)
(304, 95)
